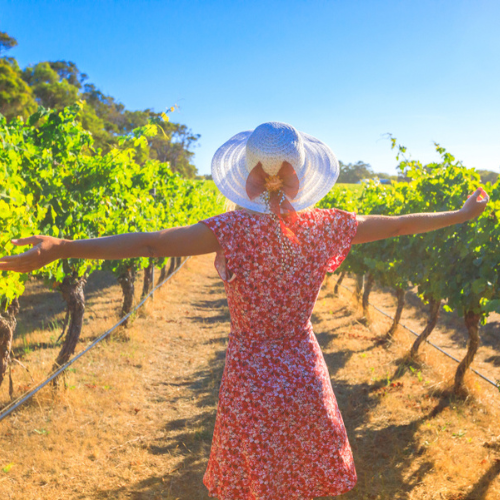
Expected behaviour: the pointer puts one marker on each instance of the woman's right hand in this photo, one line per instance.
(475, 204)
(45, 250)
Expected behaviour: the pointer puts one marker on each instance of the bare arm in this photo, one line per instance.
(379, 227)
(180, 241)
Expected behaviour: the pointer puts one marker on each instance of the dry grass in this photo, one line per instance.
(137, 416)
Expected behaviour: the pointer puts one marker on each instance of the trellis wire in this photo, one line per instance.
(497, 385)
(15, 404)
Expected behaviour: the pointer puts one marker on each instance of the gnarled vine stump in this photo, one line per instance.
(471, 320)
(400, 297)
(7, 326)
(164, 273)
(148, 279)
(72, 290)
(358, 290)
(434, 306)
(368, 285)
(127, 282)
(339, 282)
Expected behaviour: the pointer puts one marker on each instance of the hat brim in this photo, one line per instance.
(316, 177)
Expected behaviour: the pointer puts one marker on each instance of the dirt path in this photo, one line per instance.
(137, 418)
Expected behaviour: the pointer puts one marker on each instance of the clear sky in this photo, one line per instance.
(347, 71)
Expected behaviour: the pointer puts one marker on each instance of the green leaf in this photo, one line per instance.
(478, 286)
(492, 306)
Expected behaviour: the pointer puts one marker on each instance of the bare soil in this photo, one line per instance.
(136, 418)
(450, 333)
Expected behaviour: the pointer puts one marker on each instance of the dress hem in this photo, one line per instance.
(307, 496)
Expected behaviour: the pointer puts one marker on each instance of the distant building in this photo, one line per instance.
(382, 181)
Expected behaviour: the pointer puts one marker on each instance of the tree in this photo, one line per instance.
(488, 176)
(351, 173)
(16, 97)
(58, 84)
(6, 42)
(50, 90)
(383, 175)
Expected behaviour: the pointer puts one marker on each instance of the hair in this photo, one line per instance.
(230, 206)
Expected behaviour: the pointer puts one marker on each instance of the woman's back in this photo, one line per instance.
(263, 299)
(275, 383)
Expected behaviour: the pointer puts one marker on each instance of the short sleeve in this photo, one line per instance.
(339, 228)
(222, 227)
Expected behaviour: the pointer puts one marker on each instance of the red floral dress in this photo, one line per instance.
(278, 433)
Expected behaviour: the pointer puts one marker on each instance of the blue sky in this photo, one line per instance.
(347, 72)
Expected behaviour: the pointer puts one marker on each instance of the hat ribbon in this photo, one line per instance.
(285, 181)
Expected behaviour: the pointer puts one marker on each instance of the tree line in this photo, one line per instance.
(352, 173)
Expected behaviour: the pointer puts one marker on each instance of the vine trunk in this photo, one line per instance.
(72, 290)
(358, 291)
(339, 282)
(7, 326)
(148, 278)
(127, 282)
(400, 297)
(434, 306)
(369, 281)
(471, 320)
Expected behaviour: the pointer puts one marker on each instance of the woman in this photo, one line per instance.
(279, 432)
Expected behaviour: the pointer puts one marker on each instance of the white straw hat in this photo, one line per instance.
(271, 144)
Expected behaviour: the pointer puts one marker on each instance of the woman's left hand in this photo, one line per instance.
(475, 204)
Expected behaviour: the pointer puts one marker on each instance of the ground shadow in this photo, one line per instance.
(40, 307)
(480, 489)
(383, 455)
(189, 439)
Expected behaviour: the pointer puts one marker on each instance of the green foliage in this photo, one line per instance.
(16, 97)
(355, 188)
(458, 263)
(58, 84)
(18, 219)
(6, 42)
(53, 183)
(50, 91)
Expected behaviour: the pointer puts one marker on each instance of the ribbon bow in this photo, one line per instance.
(286, 182)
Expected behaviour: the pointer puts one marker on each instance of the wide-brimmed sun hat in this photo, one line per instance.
(273, 165)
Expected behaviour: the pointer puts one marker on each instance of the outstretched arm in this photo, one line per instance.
(379, 227)
(181, 241)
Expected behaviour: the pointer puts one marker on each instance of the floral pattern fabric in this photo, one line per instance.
(278, 433)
